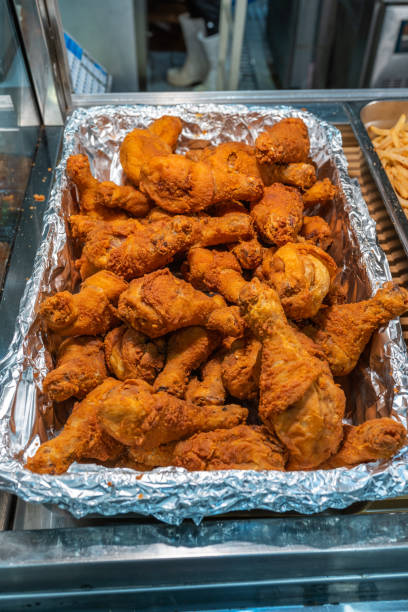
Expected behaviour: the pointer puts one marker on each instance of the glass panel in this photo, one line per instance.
(19, 126)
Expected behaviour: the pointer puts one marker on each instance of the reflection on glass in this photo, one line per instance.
(18, 132)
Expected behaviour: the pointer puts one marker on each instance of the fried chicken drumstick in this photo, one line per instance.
(80, 368)
(285, 142)
(136, 416)
(278, 215)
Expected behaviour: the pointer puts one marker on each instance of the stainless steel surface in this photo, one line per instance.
(309, 560)
(360, 114)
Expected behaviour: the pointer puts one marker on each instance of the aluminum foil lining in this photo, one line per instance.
(377, 387)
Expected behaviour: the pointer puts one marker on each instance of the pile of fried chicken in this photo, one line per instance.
(211, 321)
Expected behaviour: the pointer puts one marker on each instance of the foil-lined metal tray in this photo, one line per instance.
(377, 387)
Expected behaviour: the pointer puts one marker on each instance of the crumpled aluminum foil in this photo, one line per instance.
(377, 387)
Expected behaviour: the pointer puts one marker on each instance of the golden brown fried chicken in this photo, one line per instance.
(180, 185)
(232, 157)
(287, 369)
(311, 428)
(249, 253)
(320, 193)
(285, 142)
(160, 303)
(243, 447)
(90, 312)
(168, 128)
(80, 368)
(82, 439)
(187, 349)
(209, 391)
(226, 229)
(343, 330)
(379, 439)
(134, 415)
(278, 215)
(301, 273)
(143, 251)
(141, 145)
(130, 354)
(316, 230)
(141, 459)
(297, 175)
(103, 200)
(241, 368)
(217, 271)
(83, 226)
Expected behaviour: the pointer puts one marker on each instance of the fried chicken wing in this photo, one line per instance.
(287, 369)
(217, 271)
(278, 215)
(130, 354)
(103, 200)
(141, 145)
(249, 253)
(82, 226)
(209, 391)
(316, 230)
(379, 439)
(343, 330)
(143, 251)
(301, 273)
(135, 416)
(180, 185)
(241, 368)
(160, 303)
(285, 142)
(80, 368)
(187, 349)
(320, 193)
(243, 447)
(90, 312)
(297, 175)
(82, 439)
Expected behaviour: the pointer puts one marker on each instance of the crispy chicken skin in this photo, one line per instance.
(80, 368)
(103, 200)
(82, 226)
(287, 369)
(180, 185)
(297, 175)
(243, 447)
(311, 428)
(226, 229)
(278, 215)
(301, 273)
(209, 391)
(379, 439)
(90, 312)
(135, 416)
(187, 349)
(241, 368)
(140, 145)
(316, 230)
(151, 248)
(232, 157)
(130, 354)
(141, 459)
(249, 253)
(160, 303)
(343, 330)
(320, 193)
(217, 271)
(81, 440)
(168, 128)
(285, 142)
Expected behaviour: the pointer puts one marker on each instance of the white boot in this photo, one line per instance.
(196, 66)
(210, 45)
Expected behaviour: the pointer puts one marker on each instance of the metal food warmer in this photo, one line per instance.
(356, 557)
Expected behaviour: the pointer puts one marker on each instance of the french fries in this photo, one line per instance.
(391, 146)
